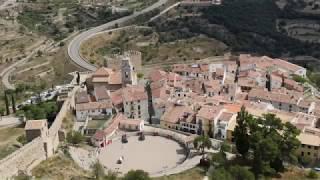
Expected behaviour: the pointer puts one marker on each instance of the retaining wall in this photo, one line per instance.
(24, 159)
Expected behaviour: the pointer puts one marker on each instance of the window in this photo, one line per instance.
(302, 145)
(309, 147)
(309, 153)
(139, 107)
(302, 153)
(316, 148)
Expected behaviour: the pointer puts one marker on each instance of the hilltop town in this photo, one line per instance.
(159, 89)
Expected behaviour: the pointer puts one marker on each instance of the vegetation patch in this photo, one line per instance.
(59, 167)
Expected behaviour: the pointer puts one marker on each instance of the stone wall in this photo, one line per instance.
(23, 159)
(31, 154)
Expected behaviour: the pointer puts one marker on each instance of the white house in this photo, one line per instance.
(135, 102)
(221, 124)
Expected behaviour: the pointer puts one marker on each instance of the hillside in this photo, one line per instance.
(251, 26)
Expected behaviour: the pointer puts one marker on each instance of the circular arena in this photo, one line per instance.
(154, 155)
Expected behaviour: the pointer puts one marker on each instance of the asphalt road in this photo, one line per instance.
(74, 46)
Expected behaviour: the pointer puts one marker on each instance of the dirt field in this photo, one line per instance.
(148, 155)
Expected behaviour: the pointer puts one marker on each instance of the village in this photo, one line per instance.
(187, 100)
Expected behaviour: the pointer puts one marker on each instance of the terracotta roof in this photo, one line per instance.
(309, 139)
(82, 97)
(101, 93)
(35, 124)
(232, 108)
(176, 113)
(114, 123)
(287, 65)
(134, 93)
(209, 112)
(99, 135)
(93, 106)
(101, 72)
(116, 97)
(272, 96)
(304, 103)
(107, 75)
(157, 75)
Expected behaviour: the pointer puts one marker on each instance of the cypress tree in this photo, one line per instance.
(6, 100)
(13, 102)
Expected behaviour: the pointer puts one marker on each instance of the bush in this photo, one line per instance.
(22, 139)
(75, 137)
(299, 79)
(136, 175)
(312, 175)
(305, 160)
(61, 44)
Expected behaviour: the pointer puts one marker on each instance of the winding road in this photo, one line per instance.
(74, 46)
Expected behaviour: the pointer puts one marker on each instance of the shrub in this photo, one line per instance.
(312, 175)
(22, 139)
(75, 137)
(305, 160)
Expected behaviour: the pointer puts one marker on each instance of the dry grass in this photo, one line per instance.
(153, 51)
(8, 142)
(293, 174)
(57, 168)
(89, 48)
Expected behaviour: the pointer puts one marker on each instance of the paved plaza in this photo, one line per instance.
(153, 155)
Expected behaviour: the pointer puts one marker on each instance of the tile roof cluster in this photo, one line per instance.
(101, 93)
(175, 113)
(273, 96)
(94, 106)
(82, 97)
(107, 75)
(129, 94)
(209, 112)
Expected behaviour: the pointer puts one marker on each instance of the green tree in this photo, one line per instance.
(225, 147)
(78, 78)
(22, 139)
(2, 111)
(140, 75)
(13, 103)
(6, 100)
(241, 173)
(241, 132)
(136, 175)
(220, 174)
(219, 159)
(272, 142)
(151, 110)
(202, 142)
